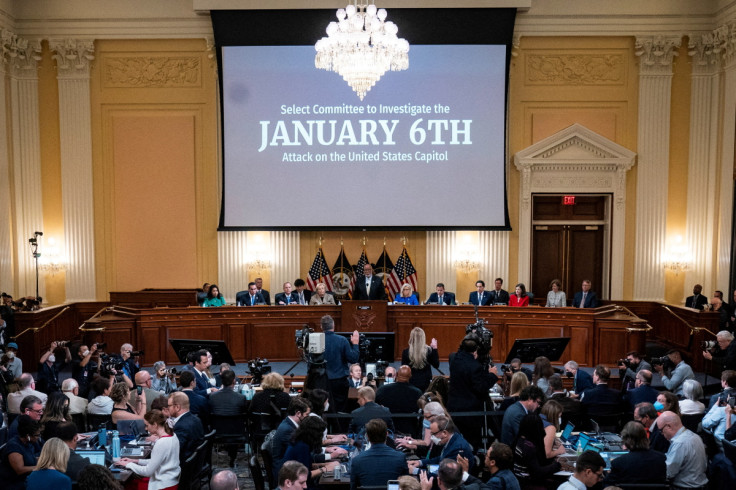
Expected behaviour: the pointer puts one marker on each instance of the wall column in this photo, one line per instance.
(7, 273)
(73, 58)
(726, 170)
(702, 176)
(26, 137)
(655, 87)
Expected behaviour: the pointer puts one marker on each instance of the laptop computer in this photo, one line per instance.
(94, 457)
(131, 427)
(566, 436)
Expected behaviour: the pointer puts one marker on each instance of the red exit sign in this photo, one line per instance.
(568, 200)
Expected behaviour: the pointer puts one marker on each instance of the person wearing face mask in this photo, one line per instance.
(84, 368)
(444, 432)
(49, 367)
(430, 410)
(401, 397)
(15, 365)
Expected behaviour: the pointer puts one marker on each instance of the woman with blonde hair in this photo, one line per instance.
(51, 466)
(406, 296)
(121, 409)
(420, 357)
(272, 388)
(320, 296)
(519, 381)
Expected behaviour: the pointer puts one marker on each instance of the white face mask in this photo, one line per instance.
(435, 439)
(11, 355)
(389, 380)
(52, 358)
(85, 353)
(560, 421)
(327, 406)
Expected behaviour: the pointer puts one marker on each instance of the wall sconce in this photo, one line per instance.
(259, 263)
(677, 257)
(52, 261)
(258, 255)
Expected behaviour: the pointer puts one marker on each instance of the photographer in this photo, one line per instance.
(469, 386)
(84, 368)
(130, 358)
(338, 353)
(165, 379)
(724, 353)
(674, 371)
(49, 367)
(716, 418)
(629, 367)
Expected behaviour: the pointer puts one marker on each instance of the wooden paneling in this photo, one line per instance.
(154, 298)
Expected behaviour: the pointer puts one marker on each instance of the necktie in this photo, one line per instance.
(301, 298)
(287, 299)
(582, 301)
(368, 287)
(480, 298)
(252, 300)
(439, 300)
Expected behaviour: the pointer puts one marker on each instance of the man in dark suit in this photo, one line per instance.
(640, 465)
(601, 400)
(251, 297)
(187, 427)
(198, 404)
(585, 298)
(227, 401)
(302, 293)
(67, 432)
(581, 380)
(530, 399)
(368, 410)
(646, 415)
(369, 287)
(378, 464)
(499, 296)
(445, 434)
(481, 297)
(288, 297)
(201, 361)
(401, 397)
(440, 296)
(697, 300)
(298, 410)
(264, 292)
(572, 410)
(643, 391)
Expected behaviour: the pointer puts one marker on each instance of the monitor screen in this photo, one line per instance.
(379, 346)
(567, 432)
(94, 457)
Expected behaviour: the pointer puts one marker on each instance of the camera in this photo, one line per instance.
(485, 339)
(624, 362)
(506, 368)
(137, 353)
(663, 361)
(709, 345)
(60, 344)
(257, 368)
(110, 365)
(101, 346)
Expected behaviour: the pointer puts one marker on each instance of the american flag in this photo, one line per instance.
(319, 272)
(403, 272)
(358, 270)
(384, 268)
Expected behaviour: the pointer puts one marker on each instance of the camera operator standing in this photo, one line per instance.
(339, 353)
(469, 385)
(84, 368)
(630, 366)
(674, 371)
(49, 367)
(724, 353)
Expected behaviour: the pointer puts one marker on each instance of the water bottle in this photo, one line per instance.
(579, 448)
(102, 436)
(115, 445)
(337, 475)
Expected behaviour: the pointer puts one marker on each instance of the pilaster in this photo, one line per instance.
(440, 254)
(655, 87)
(725, 171)
(26, 156)
(6, 246)
(73, 59)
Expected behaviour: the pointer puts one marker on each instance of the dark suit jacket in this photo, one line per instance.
(266, 296)
(76, 464)
(198, 404)
(501, 296)
(307, 295)
(189, 431)
(572, 410)
(582, 381)
(657, 440)
(369, 411)
(376, 466)
(280, 443)
(203, 383)
(698, 305)
(400, 398)
(727, 358)
(281, 297)
(485, 301)
(243, 298)
(638, 467)
(377, 290)
(644, 393)
(591, 300)
(456, 445)
(227, 402)
(447, 298)
(469, 384)
(601, 400)
(511, 421)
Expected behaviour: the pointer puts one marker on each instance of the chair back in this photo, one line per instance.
(711, 445)
(729, 450)
(257, 473)
(94, 421)
(692, 422)
(188, 470)
(80, 421)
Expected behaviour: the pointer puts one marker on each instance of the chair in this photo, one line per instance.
(230, 431)
(205, 472)
(256, 473)
(80, 421)
(3, 436)
(729, 450)
(711, 444)
(692, 422)
(188, 470)
(94, 421)
(268, 468)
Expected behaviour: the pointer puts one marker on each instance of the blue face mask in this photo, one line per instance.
(658, 406)
(426, 423)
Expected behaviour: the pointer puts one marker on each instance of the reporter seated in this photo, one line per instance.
(641, 464)
(122, 410)
(51, 467)
(379, 463)
(101, 404)
(20, 454)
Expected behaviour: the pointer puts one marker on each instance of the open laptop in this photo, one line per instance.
(94, 457)
(131, 427)
(566, 436)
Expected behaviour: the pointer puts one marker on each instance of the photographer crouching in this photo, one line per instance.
(722, 351)
(674, 371)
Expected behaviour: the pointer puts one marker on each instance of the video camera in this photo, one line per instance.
(257, 368)
(663, 361)
(311, 345)
(624, 362)
(110, 365)
(709, 346)
(101, 346)
(485, 337)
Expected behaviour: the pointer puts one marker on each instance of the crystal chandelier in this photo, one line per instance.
(361, 47)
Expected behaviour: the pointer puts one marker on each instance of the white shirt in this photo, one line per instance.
(163, 466)
(14, 399)
(77, 404)
(572, 484)
(100, 405)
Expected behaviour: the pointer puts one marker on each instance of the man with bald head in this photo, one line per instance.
(143, 379)
(400, 397)
(686, 458)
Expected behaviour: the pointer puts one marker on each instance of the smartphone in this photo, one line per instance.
(433, 469)
(393, 485)
(139, 389)
(731, 401)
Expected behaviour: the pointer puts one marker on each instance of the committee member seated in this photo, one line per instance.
(251, 297)
(480, 297)
(641, 464)
(263, 292)
(499, 296)
(288, 297)
(214, 297)
(697, 300)
(556, 297)
(202, 294)
(440, 296)
(368, 410)
(320, 296)
(519, 298)
(303, 294)
(585, 298)
(369, 287)
(378, 464)
(686, 458)
(406, 296)
(725, 354)
(673, 379)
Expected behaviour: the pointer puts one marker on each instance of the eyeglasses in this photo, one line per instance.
(39, 411)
